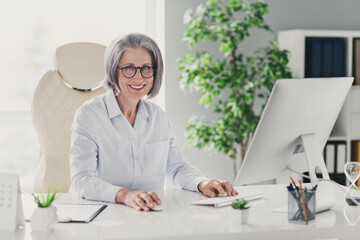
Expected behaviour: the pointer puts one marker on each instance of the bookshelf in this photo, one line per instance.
(313, 56)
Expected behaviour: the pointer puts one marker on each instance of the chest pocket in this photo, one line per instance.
(156, 154)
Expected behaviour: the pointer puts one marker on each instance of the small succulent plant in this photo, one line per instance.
(240, 204)
(45, 200)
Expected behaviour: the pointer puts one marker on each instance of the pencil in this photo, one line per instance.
(303, 201)
(292, 180)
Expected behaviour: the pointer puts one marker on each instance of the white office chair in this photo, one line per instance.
(79, 70)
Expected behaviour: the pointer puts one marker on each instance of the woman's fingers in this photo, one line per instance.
(155, 197)
(141, 203)
(209, 192)
(145, 200)
(234, 192)
(217, 186)
(213, 187)
(139, 200)
(228, 188)
(136, 206)
(148, 199)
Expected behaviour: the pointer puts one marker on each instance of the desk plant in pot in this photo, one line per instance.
(231, 83)
(44, 216)
(241, 204)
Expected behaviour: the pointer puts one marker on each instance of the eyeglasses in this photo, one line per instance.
(130, 71)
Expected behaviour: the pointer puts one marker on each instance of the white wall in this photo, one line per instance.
(284, 14)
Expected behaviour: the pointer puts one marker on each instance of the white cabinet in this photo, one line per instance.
(347, 126)
(355, 113)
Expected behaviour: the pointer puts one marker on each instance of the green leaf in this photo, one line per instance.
(240, 204)
(46, 200)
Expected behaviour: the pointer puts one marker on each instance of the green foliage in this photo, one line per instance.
(240, 204)
(232, 83)
(45, 201)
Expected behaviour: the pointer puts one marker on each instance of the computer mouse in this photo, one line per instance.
(158, 208)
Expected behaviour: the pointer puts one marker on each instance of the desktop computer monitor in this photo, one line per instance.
(293, 129)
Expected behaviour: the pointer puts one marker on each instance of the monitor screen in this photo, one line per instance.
(293, 129)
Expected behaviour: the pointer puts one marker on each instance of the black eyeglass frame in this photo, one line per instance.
(136, 68)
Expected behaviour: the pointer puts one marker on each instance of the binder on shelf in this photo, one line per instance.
(356, 61)
(341, 158)
(355, 154)
(325, 57)
(330, 158)
(335, 159)
(338, 57)
(313, 51)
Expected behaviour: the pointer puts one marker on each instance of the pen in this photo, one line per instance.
(314, 188)
(303, 201)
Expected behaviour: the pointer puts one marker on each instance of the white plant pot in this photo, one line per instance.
(43, 219)
(244, 216)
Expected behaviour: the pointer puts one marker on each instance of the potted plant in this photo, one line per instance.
(44, 216)
(241, 204)
(229, 83)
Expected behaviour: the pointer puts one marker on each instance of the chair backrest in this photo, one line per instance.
(79, 70)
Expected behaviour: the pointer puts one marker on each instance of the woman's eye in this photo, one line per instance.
(146, 67)
(129, 68)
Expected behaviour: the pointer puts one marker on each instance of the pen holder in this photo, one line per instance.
(301, 206)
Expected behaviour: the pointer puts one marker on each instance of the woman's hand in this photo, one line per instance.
(139, 200)
(211, 188)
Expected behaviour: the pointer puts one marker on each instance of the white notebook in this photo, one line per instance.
(223, 201)
(78, 212)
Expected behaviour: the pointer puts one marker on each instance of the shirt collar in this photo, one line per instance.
(142, 111)
(114, 110)
(112, 105)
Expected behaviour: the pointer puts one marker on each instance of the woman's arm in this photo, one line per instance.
(190, 178)
(84, 162)
(180, 171)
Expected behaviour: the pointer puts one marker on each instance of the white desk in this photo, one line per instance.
(181, 220)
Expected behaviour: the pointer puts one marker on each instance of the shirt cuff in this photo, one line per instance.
(110, 192)
(193, 185)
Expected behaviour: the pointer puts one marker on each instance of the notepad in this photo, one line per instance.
(227, 201)
(82, 213)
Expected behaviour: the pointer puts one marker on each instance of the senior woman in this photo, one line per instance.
(122, 146)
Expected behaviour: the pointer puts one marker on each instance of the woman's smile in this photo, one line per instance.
(137, 87)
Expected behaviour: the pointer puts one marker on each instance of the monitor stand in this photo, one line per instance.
(314, 158)
(325, 196)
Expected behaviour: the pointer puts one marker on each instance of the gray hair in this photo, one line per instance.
(117, 48)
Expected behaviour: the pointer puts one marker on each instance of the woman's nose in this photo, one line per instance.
(138, 74)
